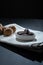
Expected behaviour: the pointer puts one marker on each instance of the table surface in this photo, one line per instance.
(11, 55)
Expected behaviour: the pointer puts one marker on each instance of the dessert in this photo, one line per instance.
(8, 32)
(3, 28)
(25, 35)
(13, 28)
(1, 25)
(0, 30)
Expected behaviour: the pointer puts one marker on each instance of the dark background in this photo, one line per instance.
(21, 9)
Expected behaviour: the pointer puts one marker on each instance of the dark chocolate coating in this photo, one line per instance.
(25, 32)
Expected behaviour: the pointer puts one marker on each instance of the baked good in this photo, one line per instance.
(13, 28)
(25, 35)
(1, 25)
(0, 30)
(3, 28)
(8, 32)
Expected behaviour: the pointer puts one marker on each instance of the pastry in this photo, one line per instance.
(13, 27)
(25, 35)
(1, 25)
(8, 32)
(0, 30)
(3, 28)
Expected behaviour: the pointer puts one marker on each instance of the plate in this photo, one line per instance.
(13, 41)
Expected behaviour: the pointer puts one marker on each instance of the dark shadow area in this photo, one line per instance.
(35, 24)
(32, 55)
(21, 9)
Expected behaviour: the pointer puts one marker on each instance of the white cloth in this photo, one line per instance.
(12, 39)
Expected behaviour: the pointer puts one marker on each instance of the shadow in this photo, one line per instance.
(31, 55)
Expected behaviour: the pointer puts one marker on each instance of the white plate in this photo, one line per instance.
(12, 39)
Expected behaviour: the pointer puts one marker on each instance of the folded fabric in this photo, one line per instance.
(36, 45)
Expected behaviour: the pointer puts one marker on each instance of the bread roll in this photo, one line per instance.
(0, 30)
(13, 28)
(3, 28)
(1, 25)
(8, 32)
